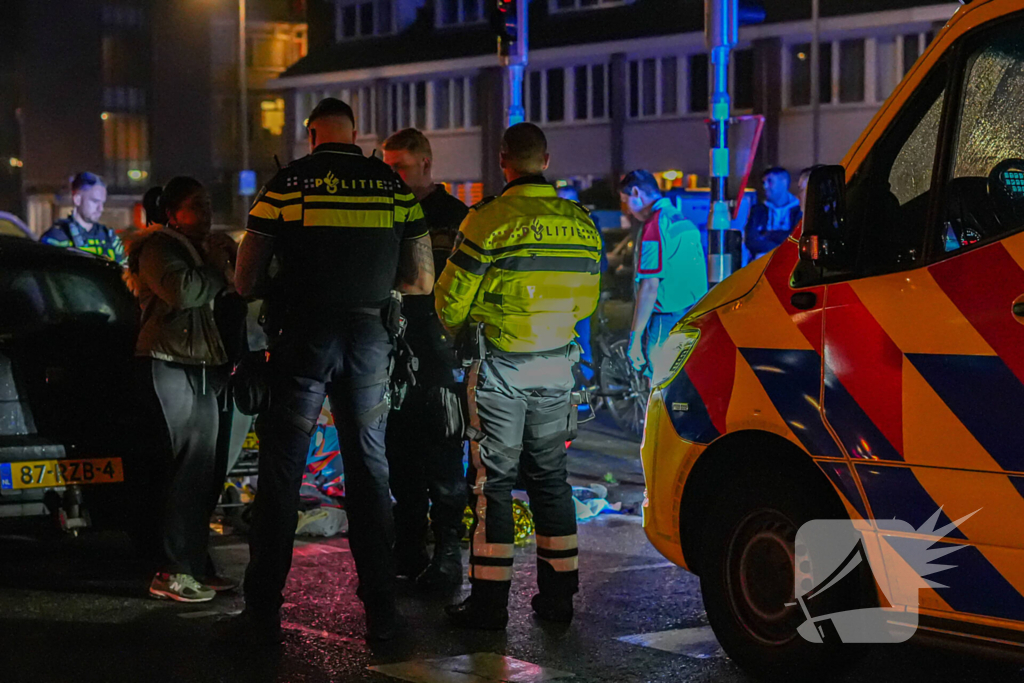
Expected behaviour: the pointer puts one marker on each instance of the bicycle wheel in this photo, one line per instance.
(624, 390)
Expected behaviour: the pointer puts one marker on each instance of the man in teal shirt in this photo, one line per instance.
(671, 271)
(82, 230)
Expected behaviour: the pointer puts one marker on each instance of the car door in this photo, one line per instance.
(924, 347)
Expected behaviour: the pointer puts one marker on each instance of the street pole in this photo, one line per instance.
(815, 81)
(721, 28)
(243, 109)
(514, 59)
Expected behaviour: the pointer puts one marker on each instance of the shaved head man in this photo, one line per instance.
(524, 151)
(331, 121)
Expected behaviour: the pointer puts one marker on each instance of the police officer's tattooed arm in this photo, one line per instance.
(416, 266)
(253, 263)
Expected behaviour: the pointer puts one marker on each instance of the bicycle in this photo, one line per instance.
(614, 383)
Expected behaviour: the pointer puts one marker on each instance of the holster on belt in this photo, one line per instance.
(471, 345)
(405, 364)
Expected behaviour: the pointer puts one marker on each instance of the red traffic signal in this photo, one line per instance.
(505, 23)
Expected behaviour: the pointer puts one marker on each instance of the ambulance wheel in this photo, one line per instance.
(747, 575)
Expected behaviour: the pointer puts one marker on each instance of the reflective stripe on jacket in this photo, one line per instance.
(99, 241)
(527, 265)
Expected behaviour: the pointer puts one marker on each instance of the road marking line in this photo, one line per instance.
(636, 568)
(480, 667)
(696, 643)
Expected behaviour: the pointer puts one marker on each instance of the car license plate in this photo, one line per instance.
(50, 473)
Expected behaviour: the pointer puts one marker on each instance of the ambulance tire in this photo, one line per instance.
(747, 576)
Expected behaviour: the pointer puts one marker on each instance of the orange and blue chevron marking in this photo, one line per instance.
(906, 389)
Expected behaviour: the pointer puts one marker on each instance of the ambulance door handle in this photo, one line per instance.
(804, 300)
(1018, 309)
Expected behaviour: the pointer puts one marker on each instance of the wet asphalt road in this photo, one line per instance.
(76, 610)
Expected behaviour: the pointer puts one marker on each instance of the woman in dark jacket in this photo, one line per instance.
(177, 270)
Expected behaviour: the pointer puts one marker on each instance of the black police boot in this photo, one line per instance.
(250, 630)
(411, 556)
(383, 621)
(486, 608)
(445, 569)
(552, 609)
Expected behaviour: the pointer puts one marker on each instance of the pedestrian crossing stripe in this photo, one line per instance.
(697, 643)
(479, 667)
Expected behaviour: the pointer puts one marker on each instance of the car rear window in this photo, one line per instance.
(37, 297)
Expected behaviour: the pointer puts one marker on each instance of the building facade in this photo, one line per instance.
(616, 84)
(137, 91)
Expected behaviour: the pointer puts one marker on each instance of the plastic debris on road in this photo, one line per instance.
(522, 520)
(591, 501)
(322, 521)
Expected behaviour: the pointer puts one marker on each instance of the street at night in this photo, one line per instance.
(74, 611)
(511, 341)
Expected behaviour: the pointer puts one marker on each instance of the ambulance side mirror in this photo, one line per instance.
(824, 222)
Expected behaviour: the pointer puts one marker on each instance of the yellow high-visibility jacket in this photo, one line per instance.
(527, 265)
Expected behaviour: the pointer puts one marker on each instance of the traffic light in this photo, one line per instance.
(505, 23)
(750, 12)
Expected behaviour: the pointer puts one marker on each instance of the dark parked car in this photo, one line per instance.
(67, 331)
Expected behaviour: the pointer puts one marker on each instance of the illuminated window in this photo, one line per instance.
(469, 193)
(272, 116)
(126, 149)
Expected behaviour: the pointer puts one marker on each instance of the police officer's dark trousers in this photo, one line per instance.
(346, 360)
(427, 476)
(521, 403)
(426, 471)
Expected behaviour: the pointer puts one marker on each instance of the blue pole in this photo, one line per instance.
(515, 66)
(721, 28)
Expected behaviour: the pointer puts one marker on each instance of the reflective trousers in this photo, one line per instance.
(519, 406)
(348, 363)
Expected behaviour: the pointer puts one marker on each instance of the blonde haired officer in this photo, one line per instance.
(526, 266)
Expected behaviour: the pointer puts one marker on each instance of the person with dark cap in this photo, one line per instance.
(525, 270)
(427, 475)
(346, 231)
(82, 230)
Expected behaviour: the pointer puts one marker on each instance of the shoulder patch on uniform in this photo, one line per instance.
(581, 207)
(482, 203)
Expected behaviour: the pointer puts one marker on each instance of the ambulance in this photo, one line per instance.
(870, 369)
